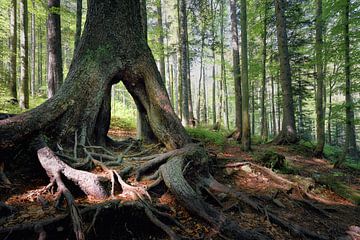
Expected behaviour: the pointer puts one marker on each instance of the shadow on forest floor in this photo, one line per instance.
(322, 211)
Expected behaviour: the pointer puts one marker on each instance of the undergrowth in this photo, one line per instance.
(206, 135)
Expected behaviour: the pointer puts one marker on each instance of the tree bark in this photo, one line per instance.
(33, 51)
(205, 107)
(264, 125)
(246, 137)
(223, 69)
(350, 138)
(24, 56)
(13, 49)
(161, 39)
(213, 14)
(184, 64)
(54, 62)
(236, 69)
(288, 133)
(320, 121)
(78, 23)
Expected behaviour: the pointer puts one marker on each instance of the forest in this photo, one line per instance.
(180, 119)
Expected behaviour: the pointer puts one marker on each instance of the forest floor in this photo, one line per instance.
(307, 191)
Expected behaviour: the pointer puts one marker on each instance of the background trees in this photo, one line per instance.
(198, 60)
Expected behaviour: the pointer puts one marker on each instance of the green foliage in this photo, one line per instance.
(123, 122)
(208, 136)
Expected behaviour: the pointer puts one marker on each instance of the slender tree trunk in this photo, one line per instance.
(184, 64)
(13, 50)
(320, 121)
(252, 84)
(33, 51)
(273, 106)
(246, 137)
(78, 23)
(171, 83)
(278, 102)
(176, 84)
(288, 133)
(200, 75)
(264, 129)
(24, 56)
(236, 68)
(161, 39)
(214, 63)
(223, 77)
(55, 66)
(190, 101)
(205, 108)
(350, 138)
(40, 56)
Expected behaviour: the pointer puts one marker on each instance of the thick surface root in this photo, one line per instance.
(133, 220)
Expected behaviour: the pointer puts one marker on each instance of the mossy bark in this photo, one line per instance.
(112, 48)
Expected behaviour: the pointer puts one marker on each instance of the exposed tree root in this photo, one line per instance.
(156, 160)
(172, 173)
(273, 218)
(95, 217)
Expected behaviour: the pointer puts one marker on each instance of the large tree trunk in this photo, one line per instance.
(287, 134)
(54, 62)
(236, 70)
(350, 138)
(264, 119)
(320, 121)
(213, 14)
(184, 64)
(24, 56)
(13, 49)
(246, 138)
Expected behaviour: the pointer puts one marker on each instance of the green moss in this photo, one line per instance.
(208, 136)
(275, 161)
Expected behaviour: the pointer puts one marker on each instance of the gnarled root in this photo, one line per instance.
(174, 166)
